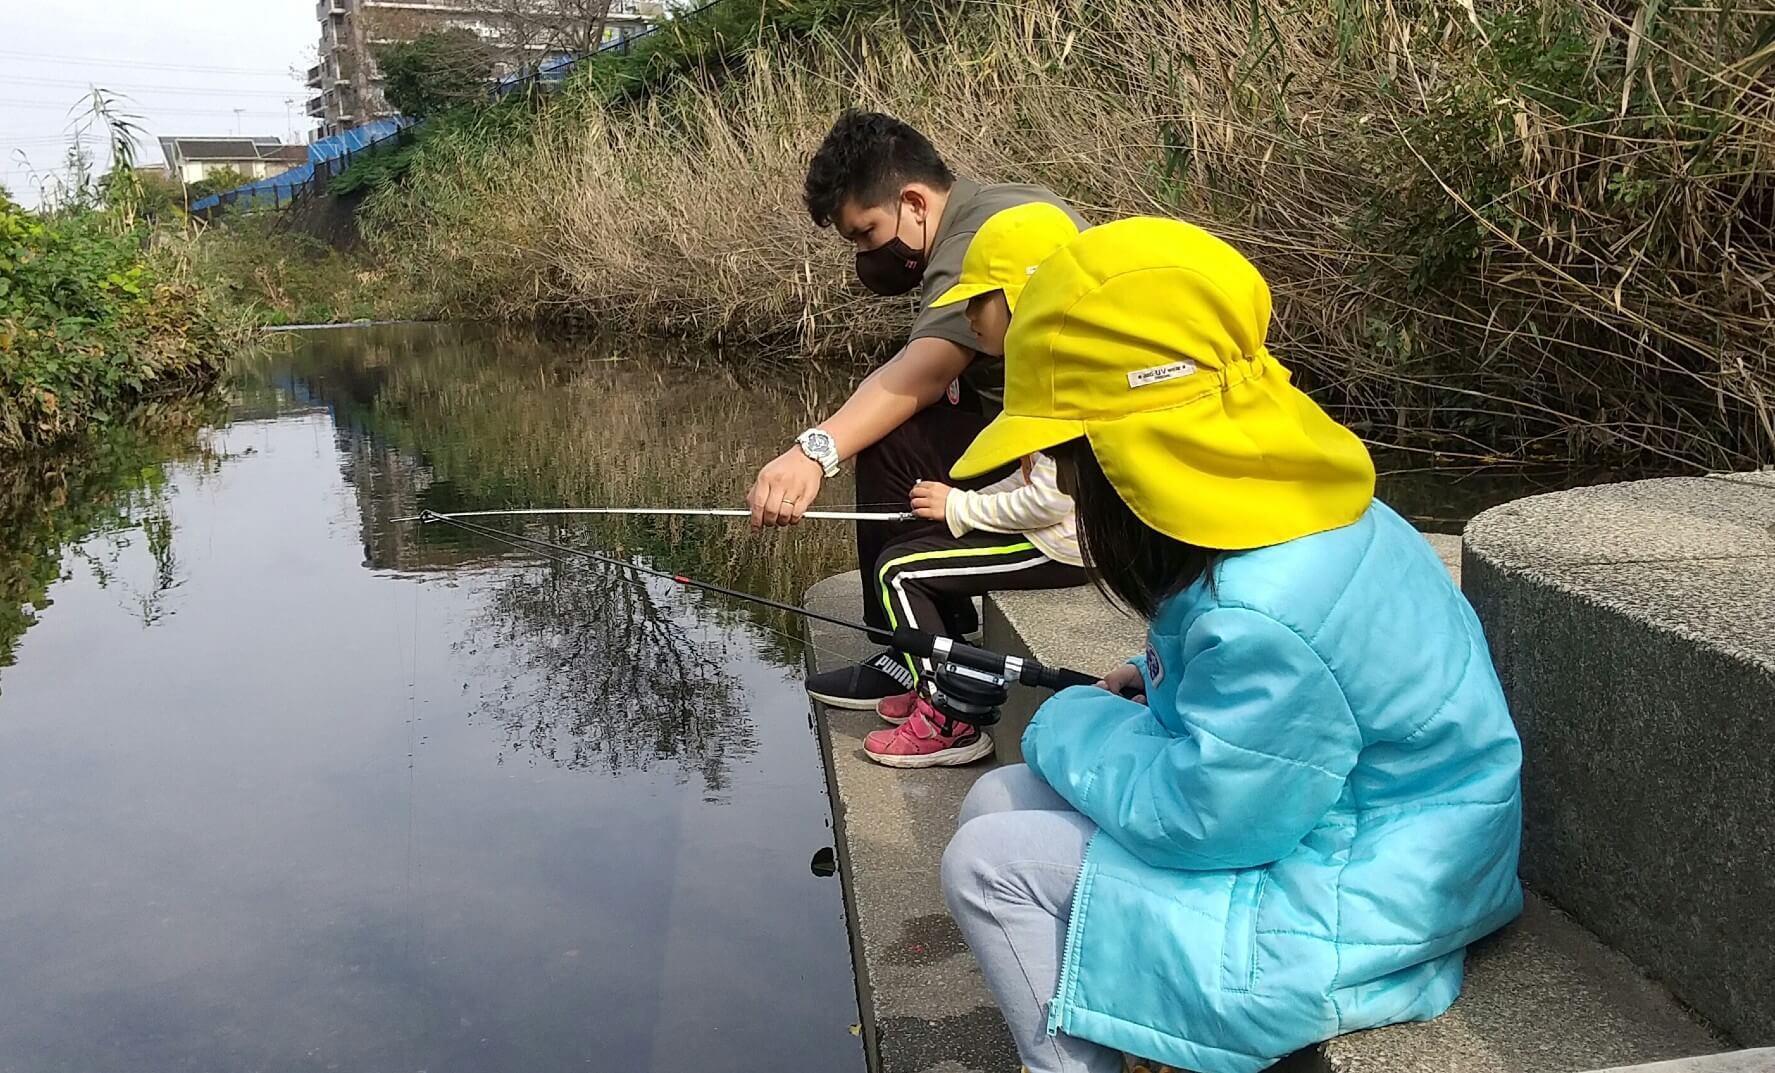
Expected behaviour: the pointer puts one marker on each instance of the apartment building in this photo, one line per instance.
(346, 89)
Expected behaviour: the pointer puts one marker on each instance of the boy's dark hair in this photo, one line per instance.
(866, 157)
(1126, 559)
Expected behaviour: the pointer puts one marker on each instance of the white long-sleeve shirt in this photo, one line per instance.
(1033, 506)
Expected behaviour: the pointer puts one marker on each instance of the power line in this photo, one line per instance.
(143, 64)
(180, 111)
(230, 92)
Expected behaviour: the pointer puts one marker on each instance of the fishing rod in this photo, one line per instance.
(968, 684)
(684, 512)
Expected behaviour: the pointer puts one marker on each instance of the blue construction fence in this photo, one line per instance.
(330, 156)
(326, 158)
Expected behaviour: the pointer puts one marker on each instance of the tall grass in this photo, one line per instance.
(1527, 228)
(273, 274)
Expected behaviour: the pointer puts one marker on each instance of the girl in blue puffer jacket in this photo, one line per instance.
(1315, 806)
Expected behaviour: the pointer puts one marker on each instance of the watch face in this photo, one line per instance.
(819, 442)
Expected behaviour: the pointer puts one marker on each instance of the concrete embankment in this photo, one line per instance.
(1543, 996)
(1633, 626)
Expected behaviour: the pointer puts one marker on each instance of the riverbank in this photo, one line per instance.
(1529, 232)
(275, 275)
(100, 311)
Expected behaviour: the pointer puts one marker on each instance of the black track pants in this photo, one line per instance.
(916, 579)
(922, 449)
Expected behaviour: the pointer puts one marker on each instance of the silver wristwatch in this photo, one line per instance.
(819, 446)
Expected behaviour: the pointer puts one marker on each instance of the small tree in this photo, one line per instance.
(435, 71)
(162, 196)
(216, 182)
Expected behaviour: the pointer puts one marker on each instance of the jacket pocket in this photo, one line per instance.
(1238, 952)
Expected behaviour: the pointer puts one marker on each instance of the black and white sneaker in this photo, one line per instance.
(861, 686)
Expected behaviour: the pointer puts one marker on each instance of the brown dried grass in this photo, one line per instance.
(1531, 228)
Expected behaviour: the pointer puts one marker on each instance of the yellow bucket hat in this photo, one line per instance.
(1006, 250)
(1146, 337)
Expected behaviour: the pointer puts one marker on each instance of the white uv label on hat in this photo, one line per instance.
(1160, 374)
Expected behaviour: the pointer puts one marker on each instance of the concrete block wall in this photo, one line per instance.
(1633, 626)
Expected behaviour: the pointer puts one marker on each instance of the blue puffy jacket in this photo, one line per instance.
(1317, 813)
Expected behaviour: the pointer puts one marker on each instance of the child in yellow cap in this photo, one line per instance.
(1314, 806)
(1017, 533)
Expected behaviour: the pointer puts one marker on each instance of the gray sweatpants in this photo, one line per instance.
(1008, 875)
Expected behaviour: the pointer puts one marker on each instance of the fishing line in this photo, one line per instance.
(683, 512)
(677, 579)
(968, 684)
(534, 545)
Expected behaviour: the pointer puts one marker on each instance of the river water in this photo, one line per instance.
(289, 784)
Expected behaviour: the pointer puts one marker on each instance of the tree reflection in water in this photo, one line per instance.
(612, 672)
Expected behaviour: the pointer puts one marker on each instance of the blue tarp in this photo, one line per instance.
(278, 189)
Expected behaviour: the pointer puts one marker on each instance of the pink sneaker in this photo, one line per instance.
(897, 708)
(921, 742)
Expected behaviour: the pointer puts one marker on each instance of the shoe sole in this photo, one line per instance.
(947, 758)
(849, 704)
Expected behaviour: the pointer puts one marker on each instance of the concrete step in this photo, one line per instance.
(1541, 996)
(1761, 1060)
(925, 1006)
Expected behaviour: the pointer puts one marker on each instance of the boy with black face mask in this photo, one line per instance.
(885, 189)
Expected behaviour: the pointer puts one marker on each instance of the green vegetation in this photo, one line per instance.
(270, 274)
(219, 181)
(99, 307)
(1536, 228)
(369, 171)
(162, 197)
(435, 72)
(713, 39)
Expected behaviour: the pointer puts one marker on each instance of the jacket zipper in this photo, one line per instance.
(1068, 962)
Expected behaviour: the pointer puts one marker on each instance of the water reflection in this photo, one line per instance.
(614, 674)
(483, 419)
(618, 673)
(102, 486)
(285, 785)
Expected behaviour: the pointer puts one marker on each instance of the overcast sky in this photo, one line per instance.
(185, 66)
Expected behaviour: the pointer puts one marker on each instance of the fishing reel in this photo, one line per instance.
(966, 695)
(970, 685)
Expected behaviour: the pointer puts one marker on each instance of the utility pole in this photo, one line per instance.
(237, 114)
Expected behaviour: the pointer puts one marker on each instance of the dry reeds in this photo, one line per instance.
(1529, 228)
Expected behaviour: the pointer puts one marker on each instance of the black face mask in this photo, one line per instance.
(891, 268)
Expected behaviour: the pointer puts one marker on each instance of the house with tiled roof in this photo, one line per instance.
(191, 160)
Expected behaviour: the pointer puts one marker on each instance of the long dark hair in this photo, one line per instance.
(1127, 560)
